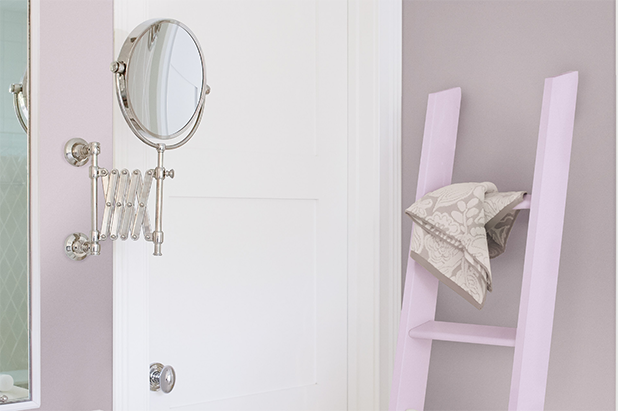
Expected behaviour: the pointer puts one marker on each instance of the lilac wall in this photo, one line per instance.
(499, 53)
(76, 98)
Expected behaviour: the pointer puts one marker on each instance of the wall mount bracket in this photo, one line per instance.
(125, 213)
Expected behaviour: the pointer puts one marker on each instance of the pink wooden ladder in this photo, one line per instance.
(532, 337)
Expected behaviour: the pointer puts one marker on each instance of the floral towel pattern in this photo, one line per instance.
(458, 228)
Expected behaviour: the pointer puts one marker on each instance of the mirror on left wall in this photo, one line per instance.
(15, 251)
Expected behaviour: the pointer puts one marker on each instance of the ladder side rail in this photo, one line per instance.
(540, 277)
(421, 288)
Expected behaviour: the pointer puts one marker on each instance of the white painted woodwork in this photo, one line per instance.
(248, 302)
(267, 276)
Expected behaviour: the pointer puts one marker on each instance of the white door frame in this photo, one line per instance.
(374, 224)
(374, 184)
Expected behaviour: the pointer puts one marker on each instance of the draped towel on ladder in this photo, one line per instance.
(531, 338)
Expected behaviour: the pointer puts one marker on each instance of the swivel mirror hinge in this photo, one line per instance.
(125, 212)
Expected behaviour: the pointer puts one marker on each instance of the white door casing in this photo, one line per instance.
(284, 170)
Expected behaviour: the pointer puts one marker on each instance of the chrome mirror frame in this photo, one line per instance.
(122, 70)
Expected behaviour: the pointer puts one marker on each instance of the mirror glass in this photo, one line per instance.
(14, 189)
(164, 79)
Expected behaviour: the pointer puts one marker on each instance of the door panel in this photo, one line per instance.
(248, 295)
(262, 66)
(249, 301)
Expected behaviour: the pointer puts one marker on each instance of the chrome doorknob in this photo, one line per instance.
(162, 377)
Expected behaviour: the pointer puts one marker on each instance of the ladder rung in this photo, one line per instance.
(524, 205)
(468, 333)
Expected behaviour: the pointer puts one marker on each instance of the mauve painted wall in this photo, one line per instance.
(76, 98)
(499, 53)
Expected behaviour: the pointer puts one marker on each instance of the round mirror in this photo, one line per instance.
(161, 82)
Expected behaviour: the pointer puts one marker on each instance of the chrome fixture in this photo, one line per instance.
(162, 378)
(161, 87)
(20, 101)
(77, 246)
(126, 202)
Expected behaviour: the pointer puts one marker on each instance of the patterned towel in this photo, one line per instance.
(458, 229)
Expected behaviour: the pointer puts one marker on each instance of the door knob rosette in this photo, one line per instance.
(162, 378)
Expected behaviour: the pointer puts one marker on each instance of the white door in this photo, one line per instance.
(249, 301)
